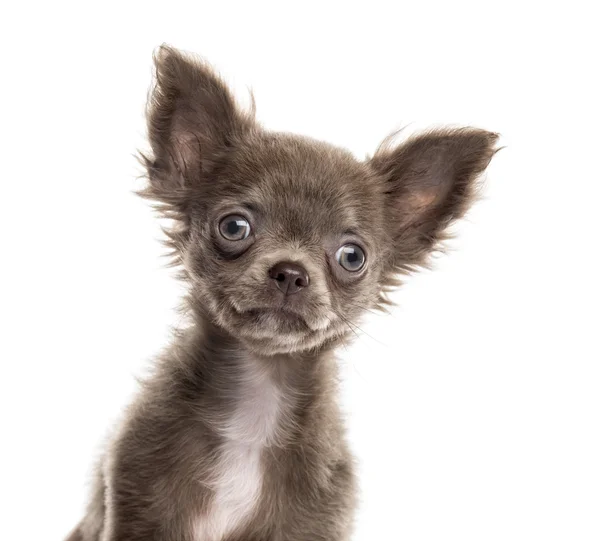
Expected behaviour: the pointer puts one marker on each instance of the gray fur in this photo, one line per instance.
(250, 384)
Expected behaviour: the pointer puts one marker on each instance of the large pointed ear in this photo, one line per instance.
(193, 122)
(430, 180)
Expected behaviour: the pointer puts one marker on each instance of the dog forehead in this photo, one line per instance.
(299, 180)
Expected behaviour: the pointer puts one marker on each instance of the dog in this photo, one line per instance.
(284, 242)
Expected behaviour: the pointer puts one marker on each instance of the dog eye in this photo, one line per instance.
(351, 257)
(234, 227)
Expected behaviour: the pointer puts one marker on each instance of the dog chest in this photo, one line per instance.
(236, 492)
(237, 479)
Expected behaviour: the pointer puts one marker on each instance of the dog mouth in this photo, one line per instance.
(268, 320)
(278, 328)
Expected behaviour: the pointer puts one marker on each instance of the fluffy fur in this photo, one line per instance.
(237, 435)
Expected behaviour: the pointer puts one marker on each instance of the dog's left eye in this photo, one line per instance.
(234, 227)
(351, 257)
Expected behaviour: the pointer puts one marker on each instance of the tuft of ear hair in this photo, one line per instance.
(429, 181)
(193, 121)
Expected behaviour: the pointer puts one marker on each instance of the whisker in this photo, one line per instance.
(348, 324)
(361, 330)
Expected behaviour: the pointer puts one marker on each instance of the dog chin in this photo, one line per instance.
(274, 321)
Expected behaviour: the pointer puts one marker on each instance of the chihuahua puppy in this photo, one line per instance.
(284, 242)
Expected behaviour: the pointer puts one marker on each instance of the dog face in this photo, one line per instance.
(285, 240)
(285, 246)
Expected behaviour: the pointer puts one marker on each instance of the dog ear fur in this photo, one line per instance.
(193, 121)
(430, 180)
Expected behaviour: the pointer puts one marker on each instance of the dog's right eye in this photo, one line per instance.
(234, 227)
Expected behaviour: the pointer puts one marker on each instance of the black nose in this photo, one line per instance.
(289, 277)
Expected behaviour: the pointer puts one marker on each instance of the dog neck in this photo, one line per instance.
(248, 397)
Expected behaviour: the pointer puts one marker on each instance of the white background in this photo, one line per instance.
(474, 408)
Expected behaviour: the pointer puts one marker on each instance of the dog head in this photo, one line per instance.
(286, 240)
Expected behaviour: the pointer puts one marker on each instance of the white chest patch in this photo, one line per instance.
(237, 481)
